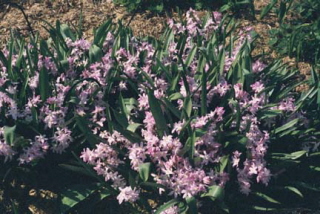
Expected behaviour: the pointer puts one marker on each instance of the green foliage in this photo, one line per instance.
(300, 35)
(293, 167)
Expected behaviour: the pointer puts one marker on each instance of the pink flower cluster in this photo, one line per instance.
(187, 156)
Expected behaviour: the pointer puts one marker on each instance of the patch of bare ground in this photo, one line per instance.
(262, 27)
(92, 15)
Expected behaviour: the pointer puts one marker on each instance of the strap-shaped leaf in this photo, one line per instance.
(66, 32)
(266, 197)
(294, 190)
(286, 126)
(76, 194)
(101, 33)
(192, 205)
(44, 84)
(267, 8)
(157, 114)
(133, 126)
(187, 106)
(144, 171)
(191, 55)
(9, 134)
(214, 192)
(83, 125)
(95, 54)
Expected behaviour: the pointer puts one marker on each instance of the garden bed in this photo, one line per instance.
(34, 194)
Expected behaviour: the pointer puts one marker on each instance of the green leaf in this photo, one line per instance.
(214, 192)
(175, 79)
(34, 113)
(223, 163)
(9, 61)
(15, 207)
(133, 126)
(171, 107)
(267, 8)
(175, 96)
(192, 141)
(83, 125)
(152, 185)
(282, 11)
(120, 118)
(204, 93)
(132, 179)
(156, 111)
(296, 155)
(76, 194)
(150, 81)
(95, 54)
(315, 168)
(187, 106)
(123, 108)
(44, 84)
(291, 156)
(20, 57)
(87, 167)
(286, 126)
(3, 59)
(225, 7)
(295, 190)
(191, 55)
(308, 186)
(270, 113)
(266, 197)
(192, 205)
(144, 171)
(222, 57)
(9, 134)
(167, 206)
(263, 208)
(66, 32)
(133, 137)
(101, 33)
(76, 169)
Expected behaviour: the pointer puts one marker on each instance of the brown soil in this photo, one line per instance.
(93, 14)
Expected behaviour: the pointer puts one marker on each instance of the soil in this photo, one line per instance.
(94, 13)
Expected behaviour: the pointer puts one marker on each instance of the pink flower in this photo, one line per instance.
(6, 151)
(88, 156)
(236, 158)
(177, 127)
(170, 144)
(143, 102)
(38, 148)
(200, 122)
(239, 92)
(244, 181)
(222, 88)
(258, 66)
(287, 104)
(137, 155)
(62, 138)
(257, 87)
(171, 210)
(217, 16)
(128, 194)
(264, 176)
(149, 121)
